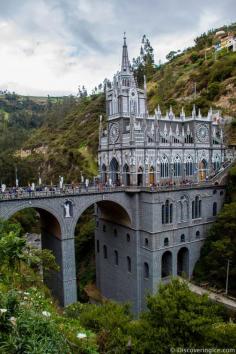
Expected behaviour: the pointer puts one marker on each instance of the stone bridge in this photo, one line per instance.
(58, 226)
(136, 247)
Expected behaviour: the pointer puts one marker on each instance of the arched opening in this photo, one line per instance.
(114, 171)
(140, 176)
(104, 173)
(126, 175)
(151, 176)
(101, 251)
(43, 231)
(166, 264)
(183, 262)
(202, 170)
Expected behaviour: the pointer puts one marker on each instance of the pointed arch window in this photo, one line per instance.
(177, 166)
(216, 163)
(167, 212)
(164, 167)
(196, 208)
(189, 166)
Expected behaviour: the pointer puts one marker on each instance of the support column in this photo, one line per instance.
(62, 283)
(69, 271)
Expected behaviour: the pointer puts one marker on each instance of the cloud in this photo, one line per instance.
(55, 45)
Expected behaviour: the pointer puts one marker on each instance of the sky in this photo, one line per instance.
(53, 46)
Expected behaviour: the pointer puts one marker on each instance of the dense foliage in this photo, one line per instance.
(219, 248)
(30, 322)
(175, 318)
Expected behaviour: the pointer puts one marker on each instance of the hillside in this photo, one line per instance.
(59, 136)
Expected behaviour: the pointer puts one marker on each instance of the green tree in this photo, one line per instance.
(176, 318)
(219, 247)
(144, 64)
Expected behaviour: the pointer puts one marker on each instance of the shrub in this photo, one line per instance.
(213, 91)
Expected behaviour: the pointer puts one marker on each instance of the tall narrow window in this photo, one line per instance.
(146, 270)
(177, 166)
(105, 251)
(98, 246)
(189, 166)
(167, 212)
(116, 257)
(163, 214)
(129, 264)
(166, 242)
(164, 167)
(196, 208)
(214, 211)
(182, 238)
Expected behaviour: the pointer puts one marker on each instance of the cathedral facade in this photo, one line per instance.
(138, 149)
(168, 226)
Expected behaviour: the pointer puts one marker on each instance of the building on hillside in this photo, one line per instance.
(226, 41)
(164, 235)
(138, 149)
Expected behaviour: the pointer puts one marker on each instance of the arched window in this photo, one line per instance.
(126, 175)
(98, 248)
(214, 209)
(146, 242)
(167, 212)
(164, 167)
(115, 232)
(146, 270)
(151, 175)
(116, 257)
(105, 251)
(182, 238)
(189, 166)
(196, 208)
(216, 163)
(128, 237)
(189, 138)
(104, 228)
(177, 166)
(166, 241)
(114, 171)
(197, 234)
(140, 176)
(104, 173)
(129, 264)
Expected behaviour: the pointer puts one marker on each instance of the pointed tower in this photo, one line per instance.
(125, 65)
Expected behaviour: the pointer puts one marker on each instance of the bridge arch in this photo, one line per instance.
(43, 211)
(109, 207)
(52, 231)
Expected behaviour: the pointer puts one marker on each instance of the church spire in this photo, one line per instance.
(125, 66)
